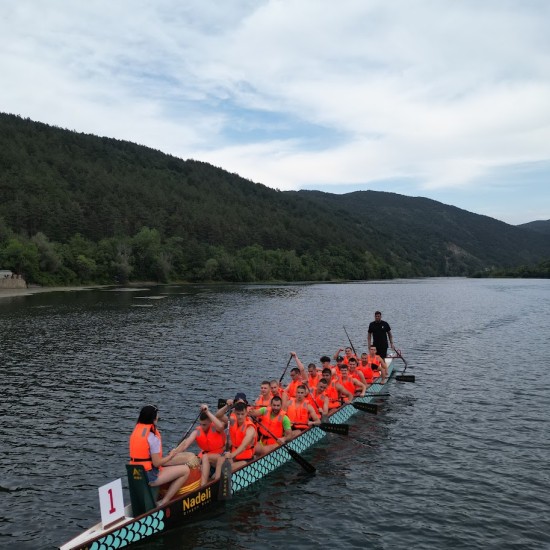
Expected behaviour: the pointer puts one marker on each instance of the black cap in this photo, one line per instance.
(240, 397)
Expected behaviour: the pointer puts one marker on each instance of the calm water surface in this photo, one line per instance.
(458, 460)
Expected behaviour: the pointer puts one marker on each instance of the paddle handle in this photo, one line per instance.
(284, 372)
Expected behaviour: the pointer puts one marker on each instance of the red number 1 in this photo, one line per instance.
(113, 509)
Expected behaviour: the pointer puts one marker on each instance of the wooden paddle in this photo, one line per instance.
(366, 407)
(340, 429)
(405, 377)
(224, 492)
(349, 339)
(402, 377)
(309, 468)
(189, 430)
(284, 372)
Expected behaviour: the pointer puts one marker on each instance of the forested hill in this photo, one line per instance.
(541, 226)
(80, 208)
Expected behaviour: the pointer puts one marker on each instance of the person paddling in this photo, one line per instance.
(243, 436)
(352, 385)
(264, 399)
(278, 426)
(354, 372)
(314, 375)
(377, 362)
(301, 413)
(210, 437)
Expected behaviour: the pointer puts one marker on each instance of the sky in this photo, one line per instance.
(443, 99)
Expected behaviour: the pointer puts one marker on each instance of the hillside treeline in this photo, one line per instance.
(146, 256)
(539, 271)
(78, 208)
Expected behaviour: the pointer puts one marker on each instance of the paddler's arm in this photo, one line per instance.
(360, 385)
(342, 390)
(284, 397)
(287, 430)
(315, 419)
(220, 414)
(247, 440)
(158, 460)
(300, 365)
(257, 412)
(390, 336)
(219, 426)
(186, 442)
(324, 410)
(335, 356)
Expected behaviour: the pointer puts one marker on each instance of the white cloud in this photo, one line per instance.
(443, 93)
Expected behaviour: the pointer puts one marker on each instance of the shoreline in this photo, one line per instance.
(16, 292)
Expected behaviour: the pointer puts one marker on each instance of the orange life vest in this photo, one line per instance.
(237, 434)
(298, 414)
(373, 361)
(310, 399)
(332, 393)
(210, 441)
(312, 381)
(291, 388)
(272, 423)
(319, 400)
(263, 401)
(139, 446)
(355, 374)
(368, 373)
(346, 358)
(348, 385)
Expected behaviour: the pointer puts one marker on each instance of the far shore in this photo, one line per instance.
(13, 292)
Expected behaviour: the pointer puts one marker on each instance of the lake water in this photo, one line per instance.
(460, 459)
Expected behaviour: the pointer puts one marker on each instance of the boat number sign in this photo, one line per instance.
(111, 502)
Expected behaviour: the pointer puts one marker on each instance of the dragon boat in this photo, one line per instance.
(142, 519)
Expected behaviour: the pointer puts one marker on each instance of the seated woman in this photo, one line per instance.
(146, 450)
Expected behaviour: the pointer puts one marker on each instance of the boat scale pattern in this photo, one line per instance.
(133, 532)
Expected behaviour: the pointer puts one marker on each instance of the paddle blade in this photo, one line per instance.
(366, 407)
(340, 429)
(221, 403)
(405, 377)
(225, 481)
(309, 468)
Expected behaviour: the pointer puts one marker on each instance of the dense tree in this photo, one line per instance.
(79, 208)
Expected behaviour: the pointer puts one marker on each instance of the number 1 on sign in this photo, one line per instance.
(111, 502)
(113, 509)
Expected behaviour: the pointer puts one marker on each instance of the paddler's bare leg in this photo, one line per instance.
(209, 460)
(175, 474)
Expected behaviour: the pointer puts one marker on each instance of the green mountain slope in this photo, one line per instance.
(540, 226)
(77, 207)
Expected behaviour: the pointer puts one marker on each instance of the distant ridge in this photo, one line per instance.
(540, 226)
(87, 208)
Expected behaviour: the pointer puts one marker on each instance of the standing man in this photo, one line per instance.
(379, 332)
